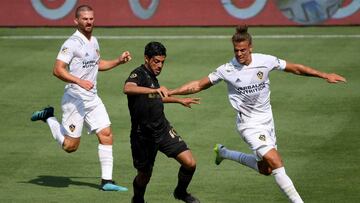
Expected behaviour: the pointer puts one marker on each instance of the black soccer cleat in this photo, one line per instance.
(43, 114)
(186, 197)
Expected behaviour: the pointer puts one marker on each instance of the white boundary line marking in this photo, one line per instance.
(25, 37)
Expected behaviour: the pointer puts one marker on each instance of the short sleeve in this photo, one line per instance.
(278, 64)
(216, 76)
(134, 77)
(66, 52)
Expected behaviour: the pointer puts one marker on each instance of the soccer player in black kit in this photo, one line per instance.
(150, 130)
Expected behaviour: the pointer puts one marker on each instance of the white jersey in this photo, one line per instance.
(249, 87)
(83, 57)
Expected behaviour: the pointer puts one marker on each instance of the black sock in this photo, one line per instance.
(184, 178)
(139, 192)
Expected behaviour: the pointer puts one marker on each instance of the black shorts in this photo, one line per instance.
(144, 148)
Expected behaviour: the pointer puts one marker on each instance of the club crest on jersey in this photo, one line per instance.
(72, 127)
(262, 138)
(64, 50)
(134, 75)
(260, 75)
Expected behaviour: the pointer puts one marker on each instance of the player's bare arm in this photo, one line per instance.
(300, 69)
(192, 87)
(187, 102)
(61, 72)
(132, 88)
(105, 65)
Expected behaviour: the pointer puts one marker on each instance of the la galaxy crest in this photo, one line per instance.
(260, 75)
(262, 138)
(72, 127)
(64, 50)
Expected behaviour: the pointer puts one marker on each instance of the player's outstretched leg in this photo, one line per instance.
(109, 185)
(222, 153)
(43, 114)
(218, 158)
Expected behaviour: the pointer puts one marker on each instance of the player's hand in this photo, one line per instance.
(125, 57)
(86, 84)
(334, 78)
(163, 91)
(188, 101)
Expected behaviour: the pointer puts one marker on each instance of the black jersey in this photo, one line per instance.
(146, 110)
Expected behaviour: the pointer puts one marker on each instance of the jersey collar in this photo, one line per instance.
(148, 71)
(234, 62)
(82, 36)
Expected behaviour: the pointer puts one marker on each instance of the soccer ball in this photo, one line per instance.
(308, 11)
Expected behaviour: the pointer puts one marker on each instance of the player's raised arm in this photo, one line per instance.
(192, 87)
(105, 65)
(300, 69)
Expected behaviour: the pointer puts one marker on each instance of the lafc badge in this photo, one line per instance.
(134, 75)
(72, 127)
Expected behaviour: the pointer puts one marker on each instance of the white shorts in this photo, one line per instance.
(76, 111)
(260, 138)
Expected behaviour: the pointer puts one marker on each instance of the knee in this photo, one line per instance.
(70, 149)
(264, 168)
(265, 171)
(190, 164)
(143, 177)
(71, 145)
(105, 136)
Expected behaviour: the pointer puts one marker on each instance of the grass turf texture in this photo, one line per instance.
(316, 123)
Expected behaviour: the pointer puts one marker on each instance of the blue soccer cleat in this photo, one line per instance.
(43, 114)
(109, 185)
(218, 158)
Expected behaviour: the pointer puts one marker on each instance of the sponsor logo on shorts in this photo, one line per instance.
(72, 127)
(174, 134)
(262, 138)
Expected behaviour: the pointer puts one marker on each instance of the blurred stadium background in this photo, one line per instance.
(316, 123)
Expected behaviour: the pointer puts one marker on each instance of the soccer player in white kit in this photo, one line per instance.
(247, 79)
(78, 63)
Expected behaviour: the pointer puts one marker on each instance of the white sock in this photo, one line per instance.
(106, 161)
(248, 160)
(55, 130)
(286, 185)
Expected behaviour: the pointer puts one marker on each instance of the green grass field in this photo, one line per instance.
(317, 124)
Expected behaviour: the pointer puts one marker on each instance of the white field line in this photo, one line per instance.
(41, 37)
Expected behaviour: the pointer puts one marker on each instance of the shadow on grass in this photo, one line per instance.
(58, 181)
